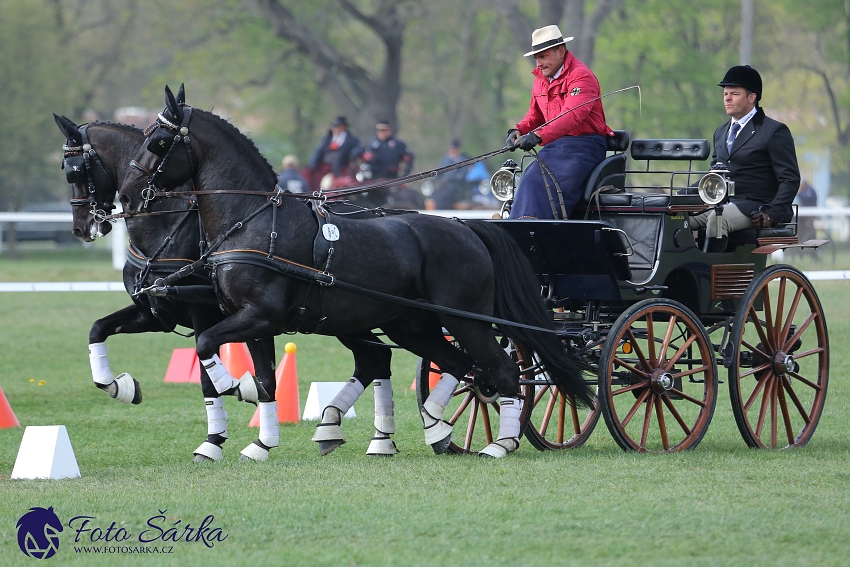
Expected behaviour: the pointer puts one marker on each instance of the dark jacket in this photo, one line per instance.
(763, 165)
(388, 159)
(291, 180)
(349, 150)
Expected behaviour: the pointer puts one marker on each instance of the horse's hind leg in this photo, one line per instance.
(371, 363)
(131, 319)
(427, 340)
(262, 351)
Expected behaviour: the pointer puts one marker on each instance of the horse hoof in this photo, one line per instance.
(499, 448)
(382, 447)
(442, 446)
(203, 459)
(327, 447)
(208, 452)
(127, 389)
(253, 452)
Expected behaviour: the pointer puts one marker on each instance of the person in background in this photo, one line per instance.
(334, 153)
(387, 157)
(289, 179)
(759, 153)
(806, 195)
(452, 187)
(565, 116)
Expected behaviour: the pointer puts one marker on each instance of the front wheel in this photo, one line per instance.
(780, 360)
(657, 378)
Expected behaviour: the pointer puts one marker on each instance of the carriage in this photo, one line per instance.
(654, 317)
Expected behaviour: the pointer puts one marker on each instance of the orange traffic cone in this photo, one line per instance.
(433, 377)
(237, 359)
(7, 416)
(286, 390)
(183, 366)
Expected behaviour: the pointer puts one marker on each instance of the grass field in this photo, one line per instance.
(721, 504)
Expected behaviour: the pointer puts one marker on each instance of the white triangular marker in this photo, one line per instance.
(46, 452)
(321, 394)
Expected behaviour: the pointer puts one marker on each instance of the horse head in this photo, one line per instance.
(165, 159)
(93, 187)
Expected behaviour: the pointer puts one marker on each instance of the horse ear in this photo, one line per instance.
(181, 95)
(171, 104)
(67, 127)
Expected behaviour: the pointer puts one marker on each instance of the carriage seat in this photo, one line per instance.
(670, 149)
(754, 235)
(610, 172)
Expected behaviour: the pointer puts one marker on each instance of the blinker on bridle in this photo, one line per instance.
(162, 142)
(76, 161)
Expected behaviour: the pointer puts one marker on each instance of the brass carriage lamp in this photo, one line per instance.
(504, 182)
(715, 186)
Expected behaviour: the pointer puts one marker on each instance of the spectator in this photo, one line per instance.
(452, 186)
(806, 195)
(387, 157)
(333, 154)
(289, 178)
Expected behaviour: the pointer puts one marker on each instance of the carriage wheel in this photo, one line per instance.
(555, 422)
(657, 378)
(473, 410)
(780, 360)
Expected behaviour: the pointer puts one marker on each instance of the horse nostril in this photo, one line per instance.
(125, 201)
(77, 232)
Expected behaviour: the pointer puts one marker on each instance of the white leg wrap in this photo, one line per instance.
(269, 424)
(246, 387)
(385, 424)
(100, 372)
(221, 378)
(210, 451)
(329, 429)
(435, 428)
(509, 427)
(255, 453)
(126, 391)
(216, 417)
(383, 397)
(346, 397)
(442, 392)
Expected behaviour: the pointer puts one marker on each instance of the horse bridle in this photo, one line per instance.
(162, 143)
(76, 161)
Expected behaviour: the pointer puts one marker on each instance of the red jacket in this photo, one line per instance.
(576, 85)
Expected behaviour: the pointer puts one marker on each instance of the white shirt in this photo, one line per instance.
(744, 120)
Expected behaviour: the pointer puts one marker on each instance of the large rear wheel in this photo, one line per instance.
(657, 378)
(780, 360)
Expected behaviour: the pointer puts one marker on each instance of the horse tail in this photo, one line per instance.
(517, 298)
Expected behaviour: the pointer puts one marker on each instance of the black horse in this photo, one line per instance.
(278, 262)
(96, 157)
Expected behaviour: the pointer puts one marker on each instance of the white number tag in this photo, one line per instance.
(330, 232)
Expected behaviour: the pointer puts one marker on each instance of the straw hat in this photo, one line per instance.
(544, 38)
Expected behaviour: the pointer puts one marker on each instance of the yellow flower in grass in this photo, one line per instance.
(41, 382)
(32, 380)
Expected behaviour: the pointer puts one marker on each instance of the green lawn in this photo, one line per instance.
(721, 504)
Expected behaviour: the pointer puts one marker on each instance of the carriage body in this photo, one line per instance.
(654, 317)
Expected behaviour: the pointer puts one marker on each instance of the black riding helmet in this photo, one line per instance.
(743, 76)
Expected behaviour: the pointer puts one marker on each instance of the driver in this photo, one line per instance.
(760, 155)
(573, 143)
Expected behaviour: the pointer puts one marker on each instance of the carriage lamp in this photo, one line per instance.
(504, 182)
(714, 186)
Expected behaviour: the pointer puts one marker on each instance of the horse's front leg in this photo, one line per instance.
(131, 319)
(262, 351)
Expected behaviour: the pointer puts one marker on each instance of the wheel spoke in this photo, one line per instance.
(755, 369)
(768, 317)
(462, 390)
(637, 349)
(793, 395)
(635, 407)
(777, 324)
(802, 328)
(759, 329)
(574, 416)
(470, 426)
(773, 412)
(676, 414)
(791, 312)
(800, 355)
(485, 417)
(685, 396)
(540, 393)
(461, 408)
(759, 385)
(671, 324)
(662, 426)
(680, 352)
(625, 389)
(550, 405)
(647, 416)
(765, 400)
(690, 372)
(650, 339)
(806, 381)
(631, 368)
(755, 349)
(783, 405)
(562, 404)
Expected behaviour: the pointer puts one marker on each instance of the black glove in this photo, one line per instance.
(528, 141)
(513, 136)
(761, 220)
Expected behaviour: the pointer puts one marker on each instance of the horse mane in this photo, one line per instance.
(118, 126)
(245, 139)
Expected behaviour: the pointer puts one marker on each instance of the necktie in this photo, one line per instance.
(733, 132)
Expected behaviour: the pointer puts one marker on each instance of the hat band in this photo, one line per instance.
(547, 44)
